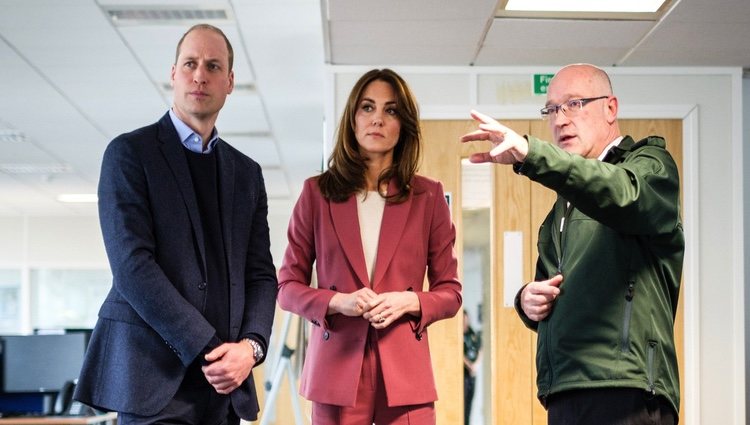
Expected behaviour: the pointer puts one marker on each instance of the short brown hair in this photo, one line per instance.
(346, 167)
(210, 28)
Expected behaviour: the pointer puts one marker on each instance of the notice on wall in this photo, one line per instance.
(541, 81)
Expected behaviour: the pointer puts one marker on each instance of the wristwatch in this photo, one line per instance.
(257, 349)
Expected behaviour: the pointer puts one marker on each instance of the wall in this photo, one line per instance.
(76, 243)
(708, 100)
(51, 241)
(746, 210)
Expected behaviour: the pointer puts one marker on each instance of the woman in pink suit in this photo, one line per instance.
(372, 228)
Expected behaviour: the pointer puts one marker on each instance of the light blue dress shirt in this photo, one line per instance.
(190, 139)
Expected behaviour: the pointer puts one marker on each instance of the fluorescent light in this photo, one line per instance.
(8, 135)
(77, 197)
(243, 88)
(35, 168)
(628, 6)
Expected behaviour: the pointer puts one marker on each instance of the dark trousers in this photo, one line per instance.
(196, 403)
(611, 406)
(469, 384)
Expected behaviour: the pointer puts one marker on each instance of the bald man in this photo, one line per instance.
(607, 281)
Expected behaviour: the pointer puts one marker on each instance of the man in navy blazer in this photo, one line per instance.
(184, 219)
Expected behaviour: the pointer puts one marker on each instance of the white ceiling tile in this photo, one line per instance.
(155, 47)
(708, 47)
(497, 56)
(284, 38)
(393, 35)
(406, 54)
(558, 42)
(425, 10)
(562, 34)
(242, 112)
(276, 183)
(261, 149)
(707, 13)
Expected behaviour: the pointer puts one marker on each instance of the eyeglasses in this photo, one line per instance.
(570, 108)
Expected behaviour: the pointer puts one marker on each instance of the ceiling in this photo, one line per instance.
(72, 77)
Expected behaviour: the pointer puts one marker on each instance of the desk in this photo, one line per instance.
(107, 418)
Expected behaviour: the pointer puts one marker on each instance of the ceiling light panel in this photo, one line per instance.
(166, 14)
(15, 168)
(632, 6)
(9, 135)
(584, 9)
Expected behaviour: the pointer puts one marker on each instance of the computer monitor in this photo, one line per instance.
(41, 363)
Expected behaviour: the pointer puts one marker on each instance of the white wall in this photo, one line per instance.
(278, 221)
(746, 211)
(28, 243)
(77, 241)
(708, 100)
(51, 241)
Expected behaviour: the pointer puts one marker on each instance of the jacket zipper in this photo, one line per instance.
(560, 238)
(624, 341)
(651, 350)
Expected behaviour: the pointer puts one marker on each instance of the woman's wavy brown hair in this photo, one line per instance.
(346, 167)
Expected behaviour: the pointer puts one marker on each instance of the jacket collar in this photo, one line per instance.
(346, 225)
(617, 153)
(391, 230)
(173, 151)
(171, 148)
(227, 179)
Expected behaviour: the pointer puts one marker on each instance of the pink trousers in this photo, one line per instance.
(371, 406)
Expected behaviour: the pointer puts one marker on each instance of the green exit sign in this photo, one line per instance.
(541, 81)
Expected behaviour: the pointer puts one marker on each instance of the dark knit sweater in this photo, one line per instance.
(204, 171)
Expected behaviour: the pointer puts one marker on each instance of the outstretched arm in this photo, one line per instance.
(508, 146)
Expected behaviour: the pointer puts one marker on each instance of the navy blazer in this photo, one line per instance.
(150, 327)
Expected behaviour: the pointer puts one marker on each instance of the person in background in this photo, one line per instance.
(472, 350)
(604, 297)
(370, 227)
(184, 220)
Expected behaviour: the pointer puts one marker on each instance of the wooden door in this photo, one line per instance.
(518, 205)
(442, 161)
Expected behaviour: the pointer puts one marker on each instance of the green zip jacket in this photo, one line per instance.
(619, 246)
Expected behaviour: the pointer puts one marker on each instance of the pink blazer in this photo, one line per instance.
(416, 236)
